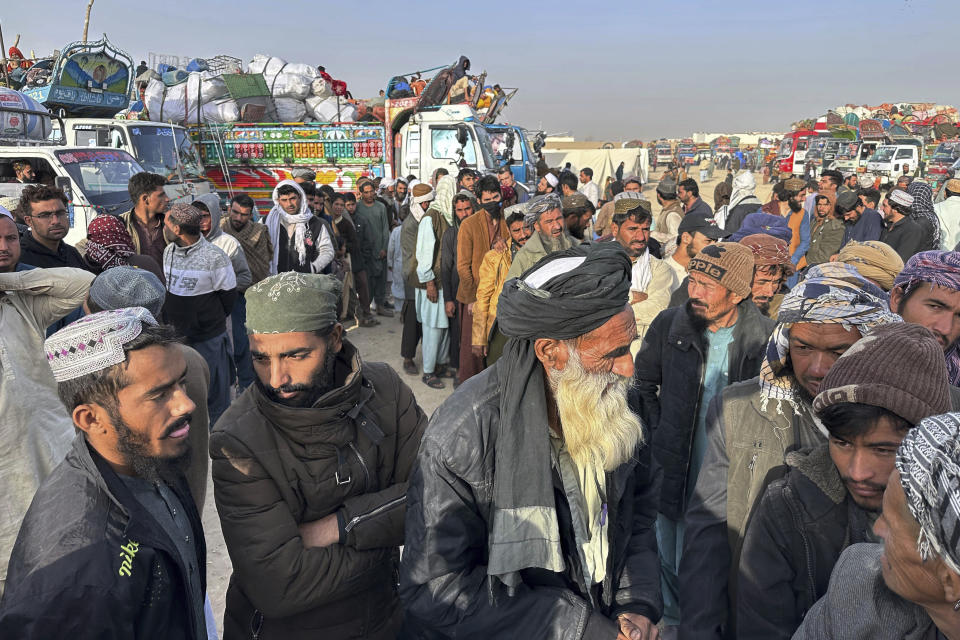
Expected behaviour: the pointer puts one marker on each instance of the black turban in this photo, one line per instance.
(591, 286)
(569, 304)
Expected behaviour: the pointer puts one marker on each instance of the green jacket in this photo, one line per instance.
(747, 446)
(531, 253)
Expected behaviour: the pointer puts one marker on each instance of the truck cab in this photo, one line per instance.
(687, 153)
(165, 149)
(512, 146)
(94, 179)
(663, 154)
(890, 161)
(938, 168)
(847, 157)
(793, 151)
(448, 137)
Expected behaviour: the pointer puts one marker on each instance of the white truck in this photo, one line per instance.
(890, 161)
(165, 149)
(445, 136)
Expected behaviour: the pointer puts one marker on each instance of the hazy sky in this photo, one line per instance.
(604, 70)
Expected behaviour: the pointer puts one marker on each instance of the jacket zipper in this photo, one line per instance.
(798, 523)
(387, 506)
(363, 466)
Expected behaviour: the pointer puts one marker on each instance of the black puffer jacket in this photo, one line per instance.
(276, 467)
(443, 574)
(802, 525)
(91, 563)
(669, 375)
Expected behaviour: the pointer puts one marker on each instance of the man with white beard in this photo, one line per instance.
(532, 504)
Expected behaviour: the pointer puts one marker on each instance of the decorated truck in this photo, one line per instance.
(86, 85)
(94, 178)
(254, 157)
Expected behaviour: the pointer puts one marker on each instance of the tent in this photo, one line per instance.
(604, 162)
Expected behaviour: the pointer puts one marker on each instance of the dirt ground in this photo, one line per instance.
(382, 344)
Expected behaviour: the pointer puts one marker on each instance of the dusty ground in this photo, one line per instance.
(381, 343)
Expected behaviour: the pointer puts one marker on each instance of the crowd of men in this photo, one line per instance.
(669, 420)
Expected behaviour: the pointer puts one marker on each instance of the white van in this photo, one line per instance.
(890, 161)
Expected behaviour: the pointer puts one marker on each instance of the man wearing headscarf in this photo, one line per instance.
(545, 215)
(924, 214)
(948, 215)
(310, 467)
(875, 260)
(108, 244)
(690, 353)
(752, 425)
(902, 232)
(927, 292)
(772, 267)
(863, 222)
(435, 217)
(300, 239)
(743, 200)
(532, 504)
(904, 588)
(832, 494)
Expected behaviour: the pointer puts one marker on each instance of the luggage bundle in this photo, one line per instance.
(298, 92)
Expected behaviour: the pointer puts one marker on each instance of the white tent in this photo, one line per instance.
(604, 162)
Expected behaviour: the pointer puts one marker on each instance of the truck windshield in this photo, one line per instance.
(785, 148)
(102, 175)
(159, 149)
(883, 154)
(848, 151)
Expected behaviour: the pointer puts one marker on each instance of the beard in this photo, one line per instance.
(699, 321)
(134, 448)
(763, 305)
(599, 429)
(794, 205)
(550, 243)
(322, 381)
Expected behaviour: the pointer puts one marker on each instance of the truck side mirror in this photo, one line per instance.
(463, 134)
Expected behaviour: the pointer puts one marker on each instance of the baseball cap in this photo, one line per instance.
(703, 223)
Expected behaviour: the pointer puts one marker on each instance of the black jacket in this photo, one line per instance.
(91, 562)
(669, 376)
(735, 216)
(37, 255)
(906, 237)
(803, 523)
(443, 573)
(449, 277)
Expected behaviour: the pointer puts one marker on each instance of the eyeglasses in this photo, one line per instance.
(46, 216)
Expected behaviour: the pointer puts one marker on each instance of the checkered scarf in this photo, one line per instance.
(940, 268)
(929, 464)
(832, 293)
(108, 242)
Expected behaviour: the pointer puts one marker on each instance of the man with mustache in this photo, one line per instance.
(651, 281)
(772, 266)
(112, 545)
(690, 353)
(310, 469)
(927, 292)
(545, 215)
(833, 494)
(533, 500)
(45, 211)
(752, 426)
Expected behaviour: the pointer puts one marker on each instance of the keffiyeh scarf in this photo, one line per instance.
(940, 268)
(922, 210)
(928, 461)
(832, 293)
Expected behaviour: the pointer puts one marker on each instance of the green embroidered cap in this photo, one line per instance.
(293, 302)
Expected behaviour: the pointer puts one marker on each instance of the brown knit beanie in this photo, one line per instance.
(729, 263)
(898, 367)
